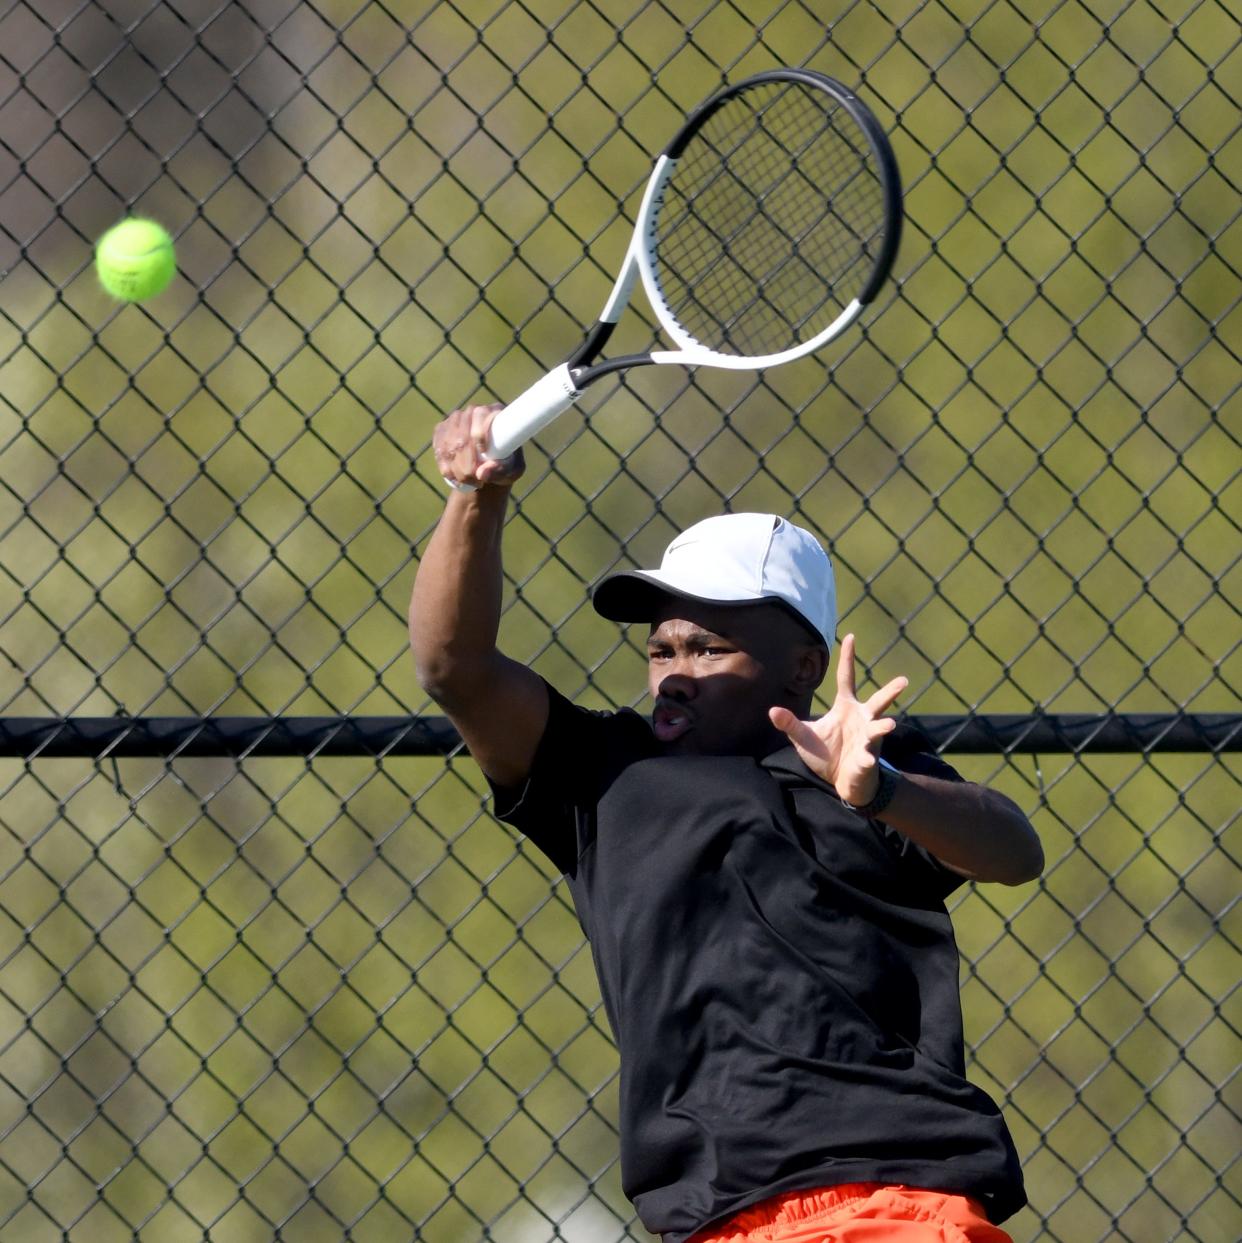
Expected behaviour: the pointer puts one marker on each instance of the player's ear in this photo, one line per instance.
(809, 669)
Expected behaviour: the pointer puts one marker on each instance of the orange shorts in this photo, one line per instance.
(859, 1213)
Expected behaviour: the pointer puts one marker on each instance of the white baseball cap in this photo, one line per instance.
(732, 559)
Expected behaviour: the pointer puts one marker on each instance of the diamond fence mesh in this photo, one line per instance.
(326, 996)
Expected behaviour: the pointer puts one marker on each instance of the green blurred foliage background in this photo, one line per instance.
(332, 998)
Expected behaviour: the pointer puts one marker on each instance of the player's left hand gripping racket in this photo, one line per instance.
(769, 222)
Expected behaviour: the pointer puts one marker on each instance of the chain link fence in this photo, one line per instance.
(326, 997)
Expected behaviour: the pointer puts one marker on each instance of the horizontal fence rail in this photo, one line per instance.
(245, 737)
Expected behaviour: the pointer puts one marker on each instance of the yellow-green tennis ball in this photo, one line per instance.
(135, 259)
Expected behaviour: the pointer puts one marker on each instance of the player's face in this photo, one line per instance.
(713, 673)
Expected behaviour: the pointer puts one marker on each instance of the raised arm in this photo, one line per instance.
(499, 707)
(975, 831)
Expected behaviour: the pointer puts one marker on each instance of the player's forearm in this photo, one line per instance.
(455, 604)
(974, 830)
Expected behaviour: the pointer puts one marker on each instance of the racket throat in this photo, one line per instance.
(590, 348)
(582, 376)
(580, 365)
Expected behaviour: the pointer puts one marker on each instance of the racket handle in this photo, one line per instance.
(533, 410)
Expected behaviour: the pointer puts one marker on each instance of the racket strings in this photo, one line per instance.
(785, 267)
(771, 221)
(785, 174)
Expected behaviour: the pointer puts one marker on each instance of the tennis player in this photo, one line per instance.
(764, 892)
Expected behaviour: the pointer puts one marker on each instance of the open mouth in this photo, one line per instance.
(670, 721)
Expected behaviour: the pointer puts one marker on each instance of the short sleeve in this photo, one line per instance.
(910, 749)
(580, 754)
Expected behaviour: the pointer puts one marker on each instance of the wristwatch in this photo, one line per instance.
(886, 787)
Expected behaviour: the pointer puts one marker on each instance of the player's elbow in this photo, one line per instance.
(432, 677)
(446, 664)
(1009, 851)
(442, 678)
(432, 663)
(1024, 856)
(455, 679)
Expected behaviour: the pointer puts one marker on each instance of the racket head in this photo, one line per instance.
(774, 215)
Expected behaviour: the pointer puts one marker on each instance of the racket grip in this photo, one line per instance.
(533, 410)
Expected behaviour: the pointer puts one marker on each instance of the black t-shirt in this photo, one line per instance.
(780, 974)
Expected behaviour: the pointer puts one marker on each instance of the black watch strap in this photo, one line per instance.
(886, 787)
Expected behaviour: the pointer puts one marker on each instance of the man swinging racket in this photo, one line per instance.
(764, 893)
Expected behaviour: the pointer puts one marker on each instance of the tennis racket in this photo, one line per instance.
(769, 222)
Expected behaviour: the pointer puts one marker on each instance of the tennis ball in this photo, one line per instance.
(135, 259)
